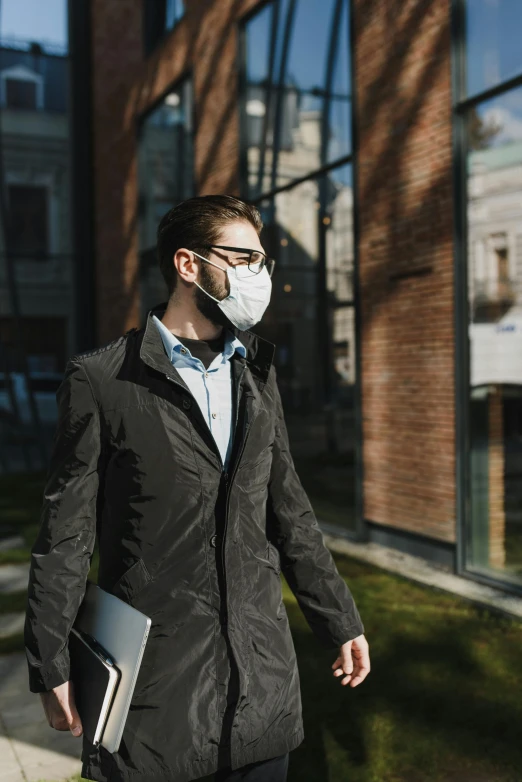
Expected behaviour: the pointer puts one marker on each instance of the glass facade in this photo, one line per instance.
(165, 177)
(491, 122)
(37, 259)
(297, 167)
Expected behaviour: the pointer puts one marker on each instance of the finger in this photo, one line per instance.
(347, 660)
(360, 676)
(70, 711)
(59, 723)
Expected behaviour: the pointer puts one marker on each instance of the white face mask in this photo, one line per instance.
(249, 294)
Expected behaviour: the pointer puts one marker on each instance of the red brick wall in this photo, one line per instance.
(403, 96)
(117, 58)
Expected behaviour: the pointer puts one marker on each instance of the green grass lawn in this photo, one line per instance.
(441, 703)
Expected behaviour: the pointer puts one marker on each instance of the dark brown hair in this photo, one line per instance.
(198, 221)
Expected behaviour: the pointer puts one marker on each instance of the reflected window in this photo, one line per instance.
(21, 88)
(28, 230)
(165, 176)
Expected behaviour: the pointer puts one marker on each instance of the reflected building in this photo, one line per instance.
(495, 332)
(35, 160)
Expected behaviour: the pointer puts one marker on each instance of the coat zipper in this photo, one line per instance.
(225, 475)
(227, 492)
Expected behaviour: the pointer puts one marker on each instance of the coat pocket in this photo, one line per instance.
(132, 581)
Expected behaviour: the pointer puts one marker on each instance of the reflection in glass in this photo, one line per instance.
(495, 332)
(308, 229)
(296, 121)
(165, 177)
(37, 313)
(296, 115)
(493, 46)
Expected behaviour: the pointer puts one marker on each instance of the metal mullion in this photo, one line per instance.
(268, 93)
(485, 95)
(316, 92)
(276, 136)
(329, 73)
(305, 178)
(462, 422)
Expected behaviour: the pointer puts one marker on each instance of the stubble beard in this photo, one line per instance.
(207, 306)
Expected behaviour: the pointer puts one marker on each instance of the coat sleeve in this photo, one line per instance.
(61, 554)
(306, 562)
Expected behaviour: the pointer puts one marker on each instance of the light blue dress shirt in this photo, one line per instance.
(212, 388)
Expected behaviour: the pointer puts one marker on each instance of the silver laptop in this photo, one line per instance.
(122, 631)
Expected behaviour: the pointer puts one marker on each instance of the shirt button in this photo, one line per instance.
(214, 415)
(213, 540)
(183, 350)
(206, 374)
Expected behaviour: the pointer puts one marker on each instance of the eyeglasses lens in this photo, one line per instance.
(256, 262)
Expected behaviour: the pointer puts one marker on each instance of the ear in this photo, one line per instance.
(186, 264)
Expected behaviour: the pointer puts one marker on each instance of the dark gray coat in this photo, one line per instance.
(135, 463)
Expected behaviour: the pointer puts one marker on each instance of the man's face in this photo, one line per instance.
(215, 281)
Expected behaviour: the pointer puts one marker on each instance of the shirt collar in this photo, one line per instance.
(173, 345)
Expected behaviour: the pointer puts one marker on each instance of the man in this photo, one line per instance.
(172, 448)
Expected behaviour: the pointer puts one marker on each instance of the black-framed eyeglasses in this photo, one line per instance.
(257, 260)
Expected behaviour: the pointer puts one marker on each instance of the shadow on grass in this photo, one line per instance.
(441, 698)
(20, 507)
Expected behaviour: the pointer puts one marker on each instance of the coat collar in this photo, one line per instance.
(174, 347)
(259, 351)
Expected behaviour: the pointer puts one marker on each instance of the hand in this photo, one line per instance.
(60, 708)
(354, 661)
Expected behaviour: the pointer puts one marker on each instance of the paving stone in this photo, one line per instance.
(15, 541)
(14, 578)
(11, 624)
(9, 764)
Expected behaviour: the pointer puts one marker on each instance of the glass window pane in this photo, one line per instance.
(311, 318)
(297, 109)
(495, 332)
(493, 46)
(165, 176)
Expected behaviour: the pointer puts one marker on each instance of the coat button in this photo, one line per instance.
(213, 540)
(186, 403)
